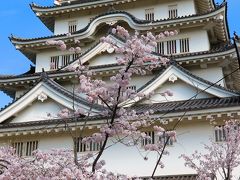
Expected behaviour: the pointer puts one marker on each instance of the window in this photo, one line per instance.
(65, 60)
(132, 88)
(154, 139)
(171, 47)
(75, 56)
(54, 62)
(184, 45)
(172, 11)
(25, 148)
(72, 26)
(86, 147)
(220, 134)
(160, 48)
(149, 14)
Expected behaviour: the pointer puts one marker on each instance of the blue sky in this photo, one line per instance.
(17, 18)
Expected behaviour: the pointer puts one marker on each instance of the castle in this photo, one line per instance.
(204, 78)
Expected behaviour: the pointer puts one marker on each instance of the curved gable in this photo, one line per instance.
(175, 73)
(42, 91)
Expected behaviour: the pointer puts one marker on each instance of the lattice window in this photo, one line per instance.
(172, 11)
(72, 26)
(147, 141)
(163, 139)
(87, 147)
(154, 139)
(149, 14)
(160, 48)
(25, 148)
(171, 47)
(220, 134)
(134, 88)
(184, 45)
(75, 56)
(65, 59)
(54, 63)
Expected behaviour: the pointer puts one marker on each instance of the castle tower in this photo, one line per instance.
(203, 77)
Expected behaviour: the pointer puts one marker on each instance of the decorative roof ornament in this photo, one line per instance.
(58, 2)
(111, 23)
(172, 78)
(42, 97)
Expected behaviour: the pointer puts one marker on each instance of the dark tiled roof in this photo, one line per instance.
(190, 105)
(136, 20)
(159, 108)
(175, 177)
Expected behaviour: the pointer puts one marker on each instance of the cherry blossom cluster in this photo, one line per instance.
(221, 158)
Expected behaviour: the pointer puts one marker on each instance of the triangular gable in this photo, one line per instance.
(175, 72)
(42, 91)
(93, 52)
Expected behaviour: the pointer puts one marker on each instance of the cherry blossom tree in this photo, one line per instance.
(135, 58)
(221, 158)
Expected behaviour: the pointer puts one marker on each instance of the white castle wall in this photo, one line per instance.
(129, 160)
(211, 73)
(195, 36)
(180, 90)
(185, 7)
(38, 111)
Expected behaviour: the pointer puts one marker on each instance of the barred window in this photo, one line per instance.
(184, 45)
(132, 88)
(154, 139)
(54, 62)
(160, 48)
(171, 47)
(147, 141)
(25, 148)
(72, 26)
(220, 134)
(75, 56)
(149, 14)
(87, 147)
(172, 11)
(65, 60)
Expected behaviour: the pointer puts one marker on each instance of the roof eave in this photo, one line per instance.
(157, 23)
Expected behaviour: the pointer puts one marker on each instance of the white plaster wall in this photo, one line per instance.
(198, 40)
(180, 90)
(62, 141)
(38, 111)
(212, 74)
(128, 160)
(191, 135)
(43, 59)
(61, 24)
(185, 7)
(102, 59)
